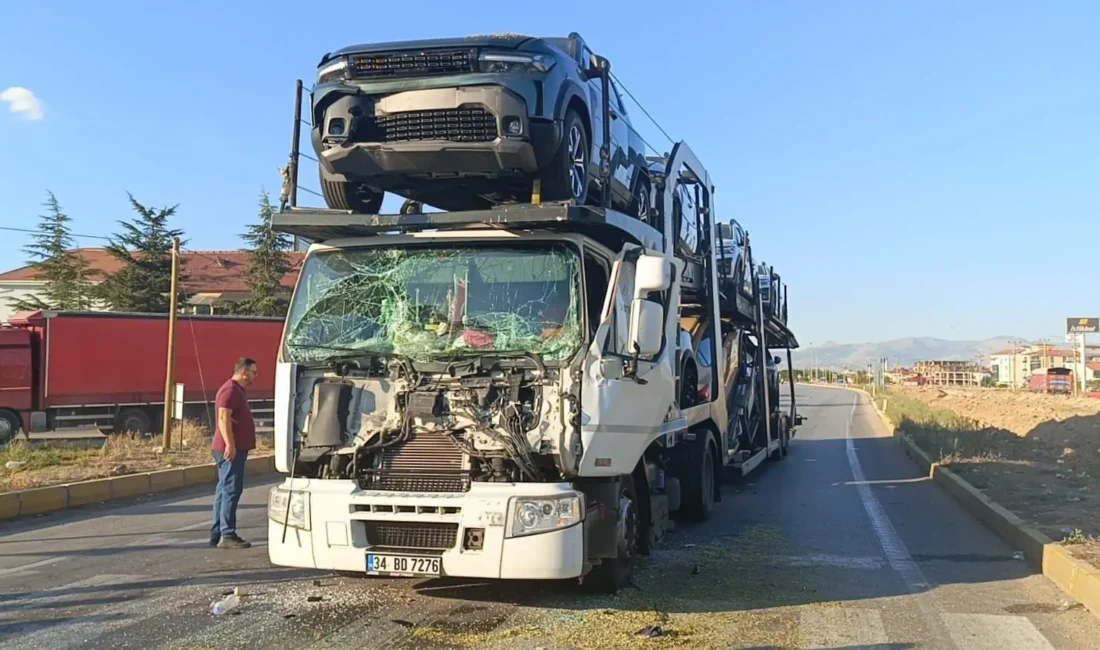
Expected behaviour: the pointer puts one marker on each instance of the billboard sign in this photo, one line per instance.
(1082, 325)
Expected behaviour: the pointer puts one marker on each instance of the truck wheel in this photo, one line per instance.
(351, 195)
(566, 177)
(611, 575)
(697, 480)
(133, 420)
(780, 432)
(9, 426)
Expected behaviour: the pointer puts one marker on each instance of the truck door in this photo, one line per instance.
(623, 403)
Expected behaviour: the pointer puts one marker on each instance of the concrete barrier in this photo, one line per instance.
(85, 492)
(9, 505)
(166, 479)
(200, 475)
(44, 499)
(58, 497)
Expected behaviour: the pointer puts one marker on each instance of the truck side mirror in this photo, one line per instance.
(651, 273)
(725, 232)
(646, 327)
(777, 361)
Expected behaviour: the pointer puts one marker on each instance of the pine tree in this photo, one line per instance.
(267, 265)
(144, 247)
(66, 275)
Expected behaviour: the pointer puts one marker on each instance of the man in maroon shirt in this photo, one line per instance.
(234, 437)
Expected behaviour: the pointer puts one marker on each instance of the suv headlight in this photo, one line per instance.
(540, 515)
(298, 514)
(515, 62)
(333, 71)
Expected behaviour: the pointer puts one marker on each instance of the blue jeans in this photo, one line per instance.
(227, 494)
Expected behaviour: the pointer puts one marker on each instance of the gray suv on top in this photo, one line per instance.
(467, 123)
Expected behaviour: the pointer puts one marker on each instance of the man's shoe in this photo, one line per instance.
(232, 541)
(215, 539)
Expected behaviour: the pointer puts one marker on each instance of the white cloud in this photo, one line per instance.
(23, 102)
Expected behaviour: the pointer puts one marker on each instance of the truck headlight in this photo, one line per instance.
(298, 514)
(514, 62)
(540, 515)
(333, 71)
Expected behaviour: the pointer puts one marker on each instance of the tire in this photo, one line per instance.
(640, 203)
(780, 431)
(10, 425)
(611, 575)
(351, 195)
(566, 178)
(133, 420)
(412, 207)
(698, 480)
(689, 386)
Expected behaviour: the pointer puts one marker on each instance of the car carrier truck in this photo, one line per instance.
(519, 392)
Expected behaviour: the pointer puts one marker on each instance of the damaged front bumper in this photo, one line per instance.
(472, 533)
(478, 131)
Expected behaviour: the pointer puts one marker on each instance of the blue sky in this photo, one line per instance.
(912, 169)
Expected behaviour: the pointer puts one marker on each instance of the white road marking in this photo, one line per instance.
(897, 555)
(991, 632)
(33, 565)
(845, 627)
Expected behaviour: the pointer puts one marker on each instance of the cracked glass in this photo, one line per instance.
(427, 303)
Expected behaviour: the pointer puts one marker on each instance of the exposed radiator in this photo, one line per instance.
(426, 462)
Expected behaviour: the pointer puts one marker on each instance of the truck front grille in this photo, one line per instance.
(467, 124)
(426, 462)
(412, 63)
(426, 536)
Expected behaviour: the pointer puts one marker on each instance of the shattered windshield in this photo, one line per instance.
(425, 303)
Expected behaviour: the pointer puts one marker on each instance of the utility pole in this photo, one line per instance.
(170, 375)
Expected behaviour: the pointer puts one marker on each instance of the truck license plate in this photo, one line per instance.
(402, 565)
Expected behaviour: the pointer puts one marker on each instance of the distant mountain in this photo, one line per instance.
(903, 352)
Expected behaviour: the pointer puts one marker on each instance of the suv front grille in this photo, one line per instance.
(426, 536)
(469, 124)
(426, 63)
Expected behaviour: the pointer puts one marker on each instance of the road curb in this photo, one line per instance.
(1076, 577)
(36, 501)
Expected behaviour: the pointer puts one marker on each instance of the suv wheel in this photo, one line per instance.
(566, 177)
(351, 195)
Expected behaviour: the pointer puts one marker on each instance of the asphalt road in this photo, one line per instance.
(840, 545)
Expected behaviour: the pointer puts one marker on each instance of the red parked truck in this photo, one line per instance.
(81, 370)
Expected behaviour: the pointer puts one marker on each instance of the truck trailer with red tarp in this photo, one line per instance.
(78, 370)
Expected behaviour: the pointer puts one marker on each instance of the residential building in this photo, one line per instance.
(1014, 366)
(214, 279)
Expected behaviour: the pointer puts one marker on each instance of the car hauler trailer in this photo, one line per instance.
(514, 393)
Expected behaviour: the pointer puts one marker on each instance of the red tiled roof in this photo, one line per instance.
(1093, 366)
(206, 271)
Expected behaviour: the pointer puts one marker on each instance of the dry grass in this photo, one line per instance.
(120, 454)
(1046, 471)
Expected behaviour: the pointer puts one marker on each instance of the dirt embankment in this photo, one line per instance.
(1038, 455)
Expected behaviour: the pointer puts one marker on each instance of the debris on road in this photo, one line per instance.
(1017, 555)
(651, 632)
(314, 599)
(227, 604)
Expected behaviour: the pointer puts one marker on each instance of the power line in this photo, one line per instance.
(639, 105)
(35, 232)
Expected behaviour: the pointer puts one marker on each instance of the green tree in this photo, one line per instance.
(144, 247)
(66, 274)
(267, 265)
